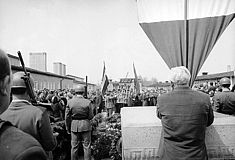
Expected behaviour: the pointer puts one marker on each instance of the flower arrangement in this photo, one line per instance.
(107, 138)
(62, 150)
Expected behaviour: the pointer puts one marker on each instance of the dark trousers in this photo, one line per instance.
(85, 139)
(118, 107)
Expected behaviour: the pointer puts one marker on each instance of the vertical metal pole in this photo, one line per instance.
(61, 84)
(86, 88)
(186, 31)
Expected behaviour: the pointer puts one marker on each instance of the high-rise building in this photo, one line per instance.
(63, 69)
(59, 68)
(38, 61)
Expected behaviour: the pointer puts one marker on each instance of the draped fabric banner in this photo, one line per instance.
(163, 21)
(104, 84)
(136, 82)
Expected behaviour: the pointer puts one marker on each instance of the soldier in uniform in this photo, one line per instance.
(14, 143)
(99, 106)
(33, 120)
(224, 102)
(77, 119)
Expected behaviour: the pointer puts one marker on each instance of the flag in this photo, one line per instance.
(136, 81)
(104, 84)
(103, 73)
(185, 31)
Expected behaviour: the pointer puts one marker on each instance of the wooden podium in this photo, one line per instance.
(141, 135)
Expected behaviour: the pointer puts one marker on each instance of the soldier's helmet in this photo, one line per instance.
(225, 81)
(18, 80)
(79, 89)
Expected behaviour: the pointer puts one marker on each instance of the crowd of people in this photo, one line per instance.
(26, 133)
(222, 96)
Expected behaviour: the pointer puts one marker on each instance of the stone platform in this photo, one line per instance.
(141, 135)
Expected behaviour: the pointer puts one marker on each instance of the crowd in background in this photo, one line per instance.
(112, 101)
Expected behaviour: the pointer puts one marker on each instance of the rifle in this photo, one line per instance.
(85, 94)
(29, 87)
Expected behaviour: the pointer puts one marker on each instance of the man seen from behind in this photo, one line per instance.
(77, 117)
(14, 143)
(224, 102)
(33, 120)
(184, 114)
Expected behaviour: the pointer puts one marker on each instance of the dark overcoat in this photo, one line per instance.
(184, 114)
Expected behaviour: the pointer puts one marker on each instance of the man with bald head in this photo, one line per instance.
(14, 143)
(184, 114)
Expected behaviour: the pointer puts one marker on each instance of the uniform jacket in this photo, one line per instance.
(109, 102)
(98, 101)
(224, 102)
(32, 120)
(185, 114)
(78, 114)
(18, 145)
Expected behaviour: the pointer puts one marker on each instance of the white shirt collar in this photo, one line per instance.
(21, 100)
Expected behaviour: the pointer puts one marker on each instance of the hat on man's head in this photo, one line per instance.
(79, 89)
(224, 81)
(18, 80)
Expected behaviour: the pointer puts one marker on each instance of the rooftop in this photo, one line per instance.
(215, 76)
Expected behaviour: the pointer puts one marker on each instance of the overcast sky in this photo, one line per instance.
(84, 33)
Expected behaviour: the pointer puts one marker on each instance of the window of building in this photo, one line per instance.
(53, 85)
(35, 85)
(44, 84)
(41, 85)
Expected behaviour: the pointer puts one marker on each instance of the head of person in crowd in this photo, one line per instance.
(69, 95)
(80, 90)
(98, 93)
(205, 85)
(49, 96)
(225, 83)
(55, 99)
(19, 89)
(180, 76)
(61, 94)
(5, 81)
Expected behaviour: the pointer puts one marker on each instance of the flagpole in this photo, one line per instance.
(186, 31)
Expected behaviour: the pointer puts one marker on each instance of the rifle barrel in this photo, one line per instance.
(22, 62)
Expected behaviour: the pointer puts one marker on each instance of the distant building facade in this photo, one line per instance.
(48, 80)
(38, 61)
(59, 68)
(214, 78)
(79, 81)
